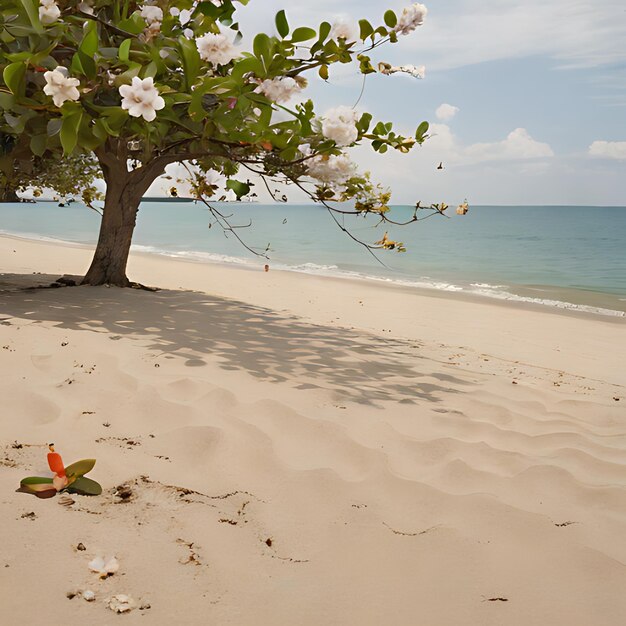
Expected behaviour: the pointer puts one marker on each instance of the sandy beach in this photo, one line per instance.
(281, 448)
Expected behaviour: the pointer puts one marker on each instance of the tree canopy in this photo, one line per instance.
(144, 85)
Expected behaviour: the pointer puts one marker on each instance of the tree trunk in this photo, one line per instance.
(123, 195)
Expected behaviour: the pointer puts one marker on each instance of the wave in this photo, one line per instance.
(487, 290)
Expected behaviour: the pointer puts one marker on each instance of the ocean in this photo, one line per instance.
(571, 257)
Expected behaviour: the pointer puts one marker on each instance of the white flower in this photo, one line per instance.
(174, 11)
(343, 30)
(214, 178)
(217, 49)
(49, 12)
(184, 17)
(188, 33)
(141, 98)
(104, 567)
(339, 124)
(279, 89)
(411, 18)
(151, 14)
(85, 7)
(60, 86)
(416, 72)
(333, 170)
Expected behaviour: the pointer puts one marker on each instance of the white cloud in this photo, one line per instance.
(446, 112)
(579, 33)
(608, 149)
(518, 145)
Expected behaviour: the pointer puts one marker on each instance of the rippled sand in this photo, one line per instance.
(284, 449)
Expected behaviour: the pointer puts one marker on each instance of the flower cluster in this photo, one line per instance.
(411, 18)
(339, 124)
(151, 14)
(279, 89)
(153, 17)
(217, 49)
(49, 12)
(60, 86)
(141, 98)
(333, 170)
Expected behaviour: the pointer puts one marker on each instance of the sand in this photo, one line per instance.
(278, 448)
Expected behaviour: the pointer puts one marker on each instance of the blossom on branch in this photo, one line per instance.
(333, 169)
(151, 14)
(411, 18)
(217, 49)
(85, 7)
(49, 12)
(345, 31)
(339, 124)
(279, 89)
(60, 86)
(141, 98)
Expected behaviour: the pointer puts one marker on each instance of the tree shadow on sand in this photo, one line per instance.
(266, 344)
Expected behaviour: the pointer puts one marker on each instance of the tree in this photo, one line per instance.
(144, 86)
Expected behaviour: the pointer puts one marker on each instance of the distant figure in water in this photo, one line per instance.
(266, 268)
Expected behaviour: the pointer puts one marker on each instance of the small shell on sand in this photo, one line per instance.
(65, 500)
(121, 603)
(103, 566)
(89, 595)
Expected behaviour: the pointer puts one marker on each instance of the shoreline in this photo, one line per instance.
(504, 329)
(527, 299)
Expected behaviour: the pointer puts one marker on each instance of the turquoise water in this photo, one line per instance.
(573, 257)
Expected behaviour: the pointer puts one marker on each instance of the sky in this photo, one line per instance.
(526, 100)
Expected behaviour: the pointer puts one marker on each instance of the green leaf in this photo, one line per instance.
(83, 64)
(80, 467)
(133, 25)
(151, 70)
(191, 60)
(35, 480)
(89, 44)
(262, 47)
(124, 50)
(421, 131)
(364, 123)
(38, 144)
(325, 29)
(366, 29)
(33, 15)
(69, 130)
(13, 76)
(85, 487)
(282, 25)
(39, 486)
(390, 19)
(240, 189)
(303, 34)
(7, 100)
